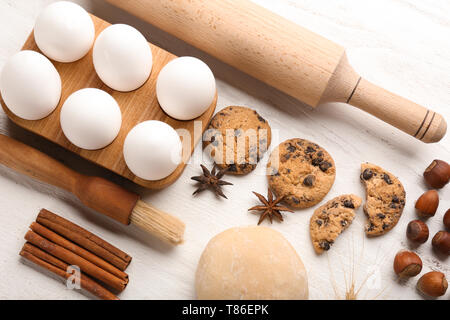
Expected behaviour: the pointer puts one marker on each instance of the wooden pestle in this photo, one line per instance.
(284, 55)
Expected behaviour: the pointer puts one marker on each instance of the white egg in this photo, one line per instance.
(185, 88)
(122, 57)
(64, 31)
(90, 118)
(30, 85)
(152, 150)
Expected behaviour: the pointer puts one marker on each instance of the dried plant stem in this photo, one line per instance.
(333, 280)
(352, 291)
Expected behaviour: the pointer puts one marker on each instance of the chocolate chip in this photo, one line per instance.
(393, 205)
(309, 180)
(385, 226)
(287, 156)
(295, 200)
(310, 150)
(320, 153)
(316, 161)
(325, 165)
(395, 199)
(319, 222)
(349, 204)
(232, 168)
(343, 223)
(381, 216)
(324, 244)
(371, 227)
(367, 174)
(291, 148)
(387, 179)
(261, 119)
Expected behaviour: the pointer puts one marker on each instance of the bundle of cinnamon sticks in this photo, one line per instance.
(56, 244)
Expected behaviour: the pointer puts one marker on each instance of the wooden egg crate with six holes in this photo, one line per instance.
(136, 106)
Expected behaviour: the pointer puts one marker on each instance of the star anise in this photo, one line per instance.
(270, 207)
(211, 180)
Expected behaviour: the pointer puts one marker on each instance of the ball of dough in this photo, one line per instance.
(250, 263)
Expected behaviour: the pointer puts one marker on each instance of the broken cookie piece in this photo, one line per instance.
(385, 199)
(331, 219)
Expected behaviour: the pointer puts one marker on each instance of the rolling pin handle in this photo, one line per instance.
(416, 120)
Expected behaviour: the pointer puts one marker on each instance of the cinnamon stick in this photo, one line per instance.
(59, 268)
(74, 259)
(57, 239)
(84, 239)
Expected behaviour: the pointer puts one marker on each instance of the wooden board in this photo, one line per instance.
(136, 106)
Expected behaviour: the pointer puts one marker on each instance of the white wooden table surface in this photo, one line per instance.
(403, 45)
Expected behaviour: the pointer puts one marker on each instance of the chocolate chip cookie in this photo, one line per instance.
(385, 199)
(301, 171)
(237, 138)
(331, 219)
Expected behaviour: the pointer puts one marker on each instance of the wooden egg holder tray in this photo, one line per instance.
(136, 106)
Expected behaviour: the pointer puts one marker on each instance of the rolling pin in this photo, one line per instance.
(284, 55)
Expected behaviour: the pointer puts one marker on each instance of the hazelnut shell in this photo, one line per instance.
(437, 174)
(407, 264)
(433, 284)
(447, 219)
(441, 242)
(417, 231)
(428, 203)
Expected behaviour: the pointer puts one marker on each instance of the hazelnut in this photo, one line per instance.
(417, 231)
(428, 203)
(407, 264)
(433, 284)
(437, 174)
(447, 219)
(441, 242)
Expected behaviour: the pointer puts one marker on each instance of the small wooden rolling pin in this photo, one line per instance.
(284, 55)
